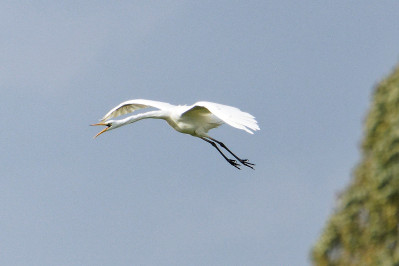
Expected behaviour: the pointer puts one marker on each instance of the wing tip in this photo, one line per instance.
(248, 129)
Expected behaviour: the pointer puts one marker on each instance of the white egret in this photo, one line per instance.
(196, 120)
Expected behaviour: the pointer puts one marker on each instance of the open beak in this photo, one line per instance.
(102, 131)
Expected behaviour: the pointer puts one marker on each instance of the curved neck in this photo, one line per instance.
(159, 114)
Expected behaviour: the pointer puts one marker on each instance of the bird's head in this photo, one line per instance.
(110, 124)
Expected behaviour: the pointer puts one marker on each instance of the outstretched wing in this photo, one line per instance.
(132, 105)
(228, 114)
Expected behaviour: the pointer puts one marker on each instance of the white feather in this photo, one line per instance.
(133, 105)
(195, 120)
(231, 115)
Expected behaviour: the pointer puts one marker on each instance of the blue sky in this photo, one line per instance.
(147, 195)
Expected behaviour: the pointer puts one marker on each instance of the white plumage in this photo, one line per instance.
(196, 119)
(133, 105)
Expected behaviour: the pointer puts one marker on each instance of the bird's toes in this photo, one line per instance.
(247, 163)
(250, 166)
(234, 163)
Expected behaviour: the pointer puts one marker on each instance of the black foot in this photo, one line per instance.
(234, 163)
(248, 164)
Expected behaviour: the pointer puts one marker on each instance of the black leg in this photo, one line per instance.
(230, 161)
(243, 161)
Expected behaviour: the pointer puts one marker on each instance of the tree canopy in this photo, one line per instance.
(363, 230)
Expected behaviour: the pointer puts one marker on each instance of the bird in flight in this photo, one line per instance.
(196, 120)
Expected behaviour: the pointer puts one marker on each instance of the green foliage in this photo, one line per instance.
(364, 227)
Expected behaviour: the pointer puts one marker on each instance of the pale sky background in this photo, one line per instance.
(147, 195)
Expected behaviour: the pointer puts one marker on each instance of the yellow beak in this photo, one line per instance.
(102, 131)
